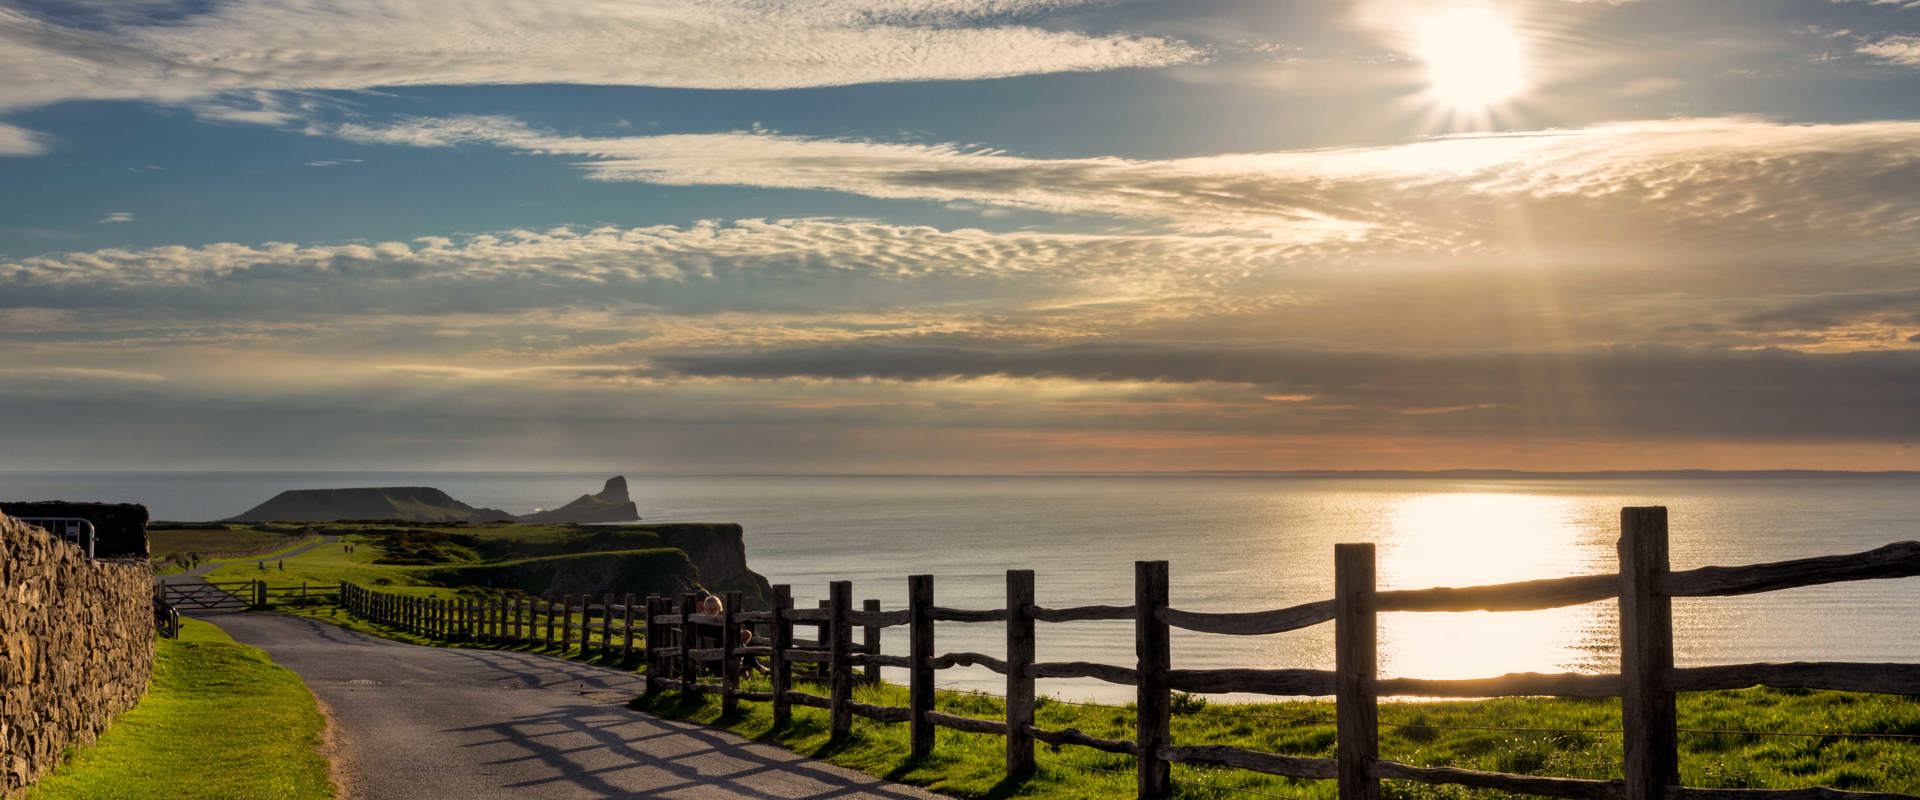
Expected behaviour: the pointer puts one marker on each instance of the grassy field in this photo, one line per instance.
(176, 550)
(1505, 735)
(221, 721)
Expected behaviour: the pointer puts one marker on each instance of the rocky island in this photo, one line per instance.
(427, 504)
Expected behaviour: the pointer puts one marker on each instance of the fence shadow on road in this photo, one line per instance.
(701, 762)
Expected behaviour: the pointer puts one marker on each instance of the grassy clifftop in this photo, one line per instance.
(539, 560)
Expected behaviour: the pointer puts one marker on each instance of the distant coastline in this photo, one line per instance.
(1468, 474)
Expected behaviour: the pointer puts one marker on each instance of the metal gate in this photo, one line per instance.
(228, 595)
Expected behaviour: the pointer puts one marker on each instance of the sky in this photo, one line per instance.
(959, 236)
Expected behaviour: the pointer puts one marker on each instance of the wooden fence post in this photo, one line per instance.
(1019, 683)
(1648, 718)
(547, 605)
(1355, 661)
(920, 660)
(778, 671)
(652, 644)
(606, 626)
(689, 668)
(870, 644)
(626, 647)
(1153, 649)
(840, 667)
(729, 666)
(566, 623)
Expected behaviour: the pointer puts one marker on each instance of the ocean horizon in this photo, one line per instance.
(1235, 543)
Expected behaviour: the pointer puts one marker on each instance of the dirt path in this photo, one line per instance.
(438, 723)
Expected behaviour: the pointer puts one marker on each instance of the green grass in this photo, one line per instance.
(969, 765)
(172, 547)
(220, 721)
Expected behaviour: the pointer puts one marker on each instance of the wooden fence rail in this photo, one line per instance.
(688, 649)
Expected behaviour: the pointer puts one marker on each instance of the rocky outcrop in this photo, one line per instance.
(409, 503)
(662, 570)
(611, 505)
(76, 648)
(719, 552)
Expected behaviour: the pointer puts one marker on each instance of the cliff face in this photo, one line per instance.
(412, 503)
(719, 552)
(611, 505)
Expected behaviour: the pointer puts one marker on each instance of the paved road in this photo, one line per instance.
(429, 723)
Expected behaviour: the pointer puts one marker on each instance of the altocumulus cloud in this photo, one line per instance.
(179, 52)
(1730, 177)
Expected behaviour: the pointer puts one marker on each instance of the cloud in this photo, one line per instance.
(16, 141)
(1902, 50)
(92, 374)
(1637, 391)
(191, 53)
(115, 217)
(1665, 179)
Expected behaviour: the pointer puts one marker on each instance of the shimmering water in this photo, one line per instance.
(1236, 544)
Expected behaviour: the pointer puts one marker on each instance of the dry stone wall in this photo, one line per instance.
(76, 648)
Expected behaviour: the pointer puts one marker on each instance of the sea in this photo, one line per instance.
(1234, 543)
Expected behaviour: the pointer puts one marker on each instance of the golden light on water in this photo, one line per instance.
(1466, 539)
(1474, 58)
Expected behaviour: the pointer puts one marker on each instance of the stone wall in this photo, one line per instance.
(76, 648)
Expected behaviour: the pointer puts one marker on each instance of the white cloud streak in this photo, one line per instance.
(245, 46)
(16, 141)
(1692, 176)
(1901, 50)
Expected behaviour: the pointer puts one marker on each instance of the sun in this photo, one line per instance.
(1474, 57)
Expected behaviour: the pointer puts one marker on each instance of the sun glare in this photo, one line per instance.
(1474, 58)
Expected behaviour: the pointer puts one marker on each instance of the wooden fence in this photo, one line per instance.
(1647, 681)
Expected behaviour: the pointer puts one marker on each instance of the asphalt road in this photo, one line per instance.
(429, 723)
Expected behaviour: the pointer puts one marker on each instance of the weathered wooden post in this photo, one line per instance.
(1648, 718)
(870, 643)
(547, 605)
(920, 664)
(1355, 661)
(566, 623)
(1153, 651)
(1019, 684)
(655, 607)
(689, 667)
(259, 594)
(729, 665)
(780, 673)
(606, 625)
(626, 645)
(839, 665)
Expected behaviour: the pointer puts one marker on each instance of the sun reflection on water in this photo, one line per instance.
(1470, 538)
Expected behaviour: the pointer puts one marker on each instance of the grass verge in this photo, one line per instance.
(220, 721)
(1535, 736)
